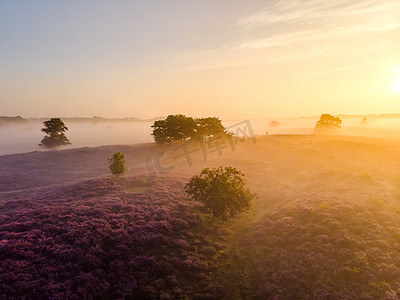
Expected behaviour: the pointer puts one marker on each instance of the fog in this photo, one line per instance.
(324, 224)
(25, 138)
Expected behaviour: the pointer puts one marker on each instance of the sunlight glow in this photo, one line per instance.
(397, 85)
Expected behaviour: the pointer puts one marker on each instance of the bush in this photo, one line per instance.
(117, 165)
(222, 190)
(208, 251)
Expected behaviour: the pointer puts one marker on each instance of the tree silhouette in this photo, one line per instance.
(274, 124)
(54, 128)
(180, 128)
(328, 124)
(222, 190)
(117, 165)
(364, 121)
(208, 127)
(173, 128)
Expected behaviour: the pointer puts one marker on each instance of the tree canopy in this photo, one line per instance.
(328, 124)
(222, 190)
(208, 127)
(55, 137)
(116, 165)
(364, 121)
(274, 124)
(180, 128)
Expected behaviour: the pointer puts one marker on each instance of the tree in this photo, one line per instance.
(274, 124)
(173, 128)
(364, 121)
(328, 124)
(222, 190)
(117, 165)
(160, 132)
(208, 127)
(180, 128)
(54, 128)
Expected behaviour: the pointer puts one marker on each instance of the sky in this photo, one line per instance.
(228, 58)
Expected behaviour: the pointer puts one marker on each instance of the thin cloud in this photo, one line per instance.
(318, 11)
(320, 21)
(315, 28)
(280, 40)
(290, 38)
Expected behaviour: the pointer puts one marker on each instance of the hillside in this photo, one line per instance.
(326, 223)
(143, 239)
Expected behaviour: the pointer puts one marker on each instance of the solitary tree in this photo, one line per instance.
(364, 121)
(222, 190)
(274, 124)
(117, 165)
(328, 124)
(180, 128)
(54, 128)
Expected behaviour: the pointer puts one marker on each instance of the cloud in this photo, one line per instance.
(280, 40)
(290, 38)
(317, 21)
(295, 30)
(319, 11)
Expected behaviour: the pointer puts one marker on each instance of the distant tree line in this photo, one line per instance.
(180, 128)
(12, 120)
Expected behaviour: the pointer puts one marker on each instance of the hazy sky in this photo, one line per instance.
(226, 58)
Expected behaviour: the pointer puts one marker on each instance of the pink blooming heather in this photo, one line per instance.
(91, 239)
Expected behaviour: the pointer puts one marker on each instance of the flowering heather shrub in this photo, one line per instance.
(208, 250)
(325, 226)
(325, 242)
(39, 169)
(91, 240)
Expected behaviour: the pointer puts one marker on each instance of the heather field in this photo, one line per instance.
(140, 240)
(325, 224)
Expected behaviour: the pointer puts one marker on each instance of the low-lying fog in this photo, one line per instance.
(25, 138)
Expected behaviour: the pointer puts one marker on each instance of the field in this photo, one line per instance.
(325, 224)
